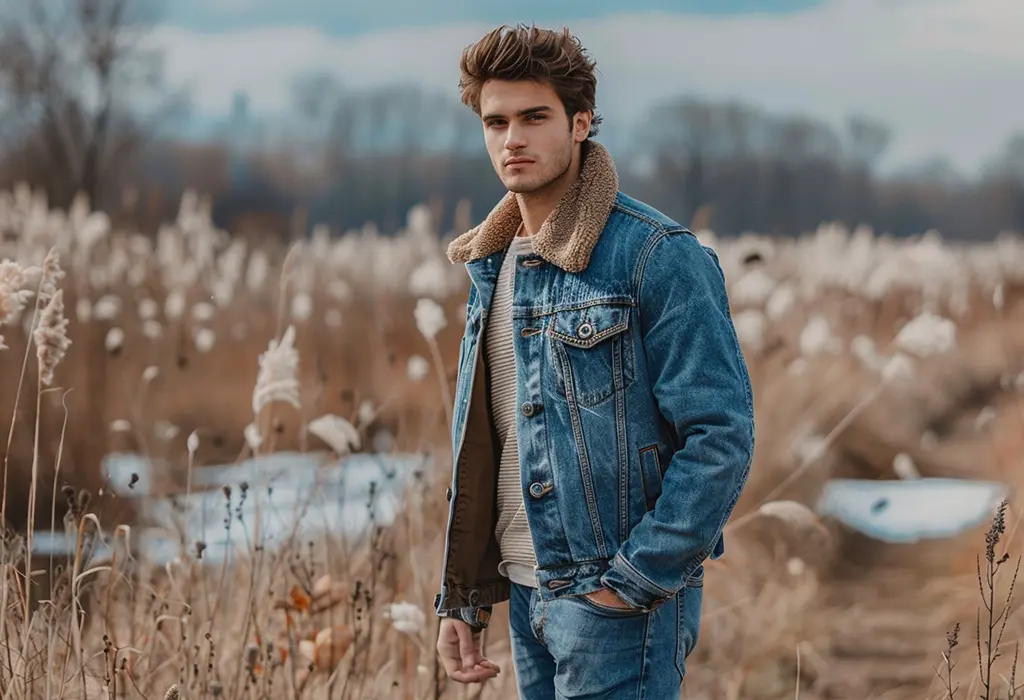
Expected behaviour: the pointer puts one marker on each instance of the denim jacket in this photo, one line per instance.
(636, 425)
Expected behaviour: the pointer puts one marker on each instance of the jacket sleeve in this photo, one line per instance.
(700, 382)
(476, 616)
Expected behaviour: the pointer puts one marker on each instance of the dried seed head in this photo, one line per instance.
(995, 531)
(13, 293)
(51, 337)
(276, 380)
(953, 637)
(51, 276)
(252, 655)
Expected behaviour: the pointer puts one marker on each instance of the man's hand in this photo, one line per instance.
(459, 647)
(608, 598)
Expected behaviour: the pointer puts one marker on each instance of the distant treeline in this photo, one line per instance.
(369, 156)
(82, 109)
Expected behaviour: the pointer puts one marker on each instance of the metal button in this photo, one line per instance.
(528, 409)
(585, 330)
(538, 489)
(474, 596)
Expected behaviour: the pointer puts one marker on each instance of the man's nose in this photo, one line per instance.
(515, 138)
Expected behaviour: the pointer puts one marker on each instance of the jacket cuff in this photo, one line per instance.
(632, 586)
(477, 617)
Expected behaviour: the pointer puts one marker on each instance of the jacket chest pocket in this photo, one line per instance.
(592, 351)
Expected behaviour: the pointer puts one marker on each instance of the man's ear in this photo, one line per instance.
(581, 126)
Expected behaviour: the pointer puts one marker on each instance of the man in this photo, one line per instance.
(603, 423)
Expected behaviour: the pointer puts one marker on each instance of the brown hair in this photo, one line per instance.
(528, 53)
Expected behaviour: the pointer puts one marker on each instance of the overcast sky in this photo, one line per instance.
(946, 75)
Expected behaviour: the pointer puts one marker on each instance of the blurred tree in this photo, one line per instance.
(1010, 163)
(1002, 185)
(757, 171)
(382, 150)
(80, 92)
(867, 140)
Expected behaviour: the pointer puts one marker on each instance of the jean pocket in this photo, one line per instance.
(607, 610)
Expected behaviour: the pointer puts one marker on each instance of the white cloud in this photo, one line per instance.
(945, 74)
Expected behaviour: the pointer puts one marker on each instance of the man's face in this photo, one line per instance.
(529, 137)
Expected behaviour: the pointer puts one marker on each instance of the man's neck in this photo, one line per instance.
(535, 207)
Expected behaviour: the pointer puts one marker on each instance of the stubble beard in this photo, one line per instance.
(564, 165)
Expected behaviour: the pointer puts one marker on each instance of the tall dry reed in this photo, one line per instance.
(190, 349)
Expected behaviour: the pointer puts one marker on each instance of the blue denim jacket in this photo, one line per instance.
(636, 426)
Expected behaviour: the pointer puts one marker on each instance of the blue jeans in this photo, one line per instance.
(574, 648)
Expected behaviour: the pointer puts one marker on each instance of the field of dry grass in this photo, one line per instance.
(865, 353)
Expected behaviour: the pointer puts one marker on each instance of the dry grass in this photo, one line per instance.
(835, 615)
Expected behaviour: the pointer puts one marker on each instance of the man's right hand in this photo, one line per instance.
(459, 647)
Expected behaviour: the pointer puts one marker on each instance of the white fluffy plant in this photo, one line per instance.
(276, 381)
(339, 434)
(431, 320)
(14, 295)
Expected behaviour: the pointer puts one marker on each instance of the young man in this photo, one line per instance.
(603, 421)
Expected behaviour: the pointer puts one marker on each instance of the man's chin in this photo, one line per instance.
(517, 186)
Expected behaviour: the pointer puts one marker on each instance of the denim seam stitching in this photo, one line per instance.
(585, 471)
(623, 443)
(680, 621)
(610, 300)
(661, 479)
(643, 659)
(619, 327)
(645, 254)
(641, 580)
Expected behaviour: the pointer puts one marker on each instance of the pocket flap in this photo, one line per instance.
(588, 326)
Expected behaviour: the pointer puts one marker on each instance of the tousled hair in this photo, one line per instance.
(528, 53)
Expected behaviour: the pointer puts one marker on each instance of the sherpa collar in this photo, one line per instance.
(570, 232)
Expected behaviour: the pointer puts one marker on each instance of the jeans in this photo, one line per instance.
(571, 647)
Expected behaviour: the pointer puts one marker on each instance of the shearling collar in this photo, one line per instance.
(570, 232)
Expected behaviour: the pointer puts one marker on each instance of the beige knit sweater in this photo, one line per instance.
(512, 530)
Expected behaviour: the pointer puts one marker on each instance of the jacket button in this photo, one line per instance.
(528, 409)
(538, 489)
(585, 330)
(474, 597)
(448, 494)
